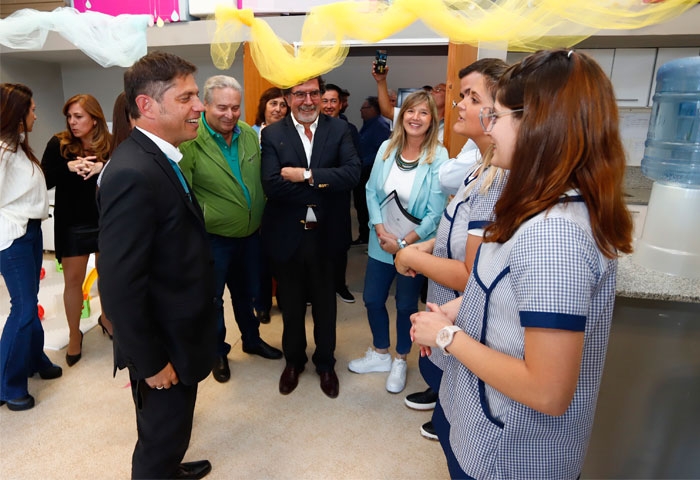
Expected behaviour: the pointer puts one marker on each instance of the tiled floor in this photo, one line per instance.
(83, 424)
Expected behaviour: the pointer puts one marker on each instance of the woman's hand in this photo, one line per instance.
(83, 166)
(92, 168)
(402, 261)
(75, 166)
(388, 242)
(426, 325)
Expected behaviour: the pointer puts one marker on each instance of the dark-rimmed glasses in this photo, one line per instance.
(301, 96)
(488, 117)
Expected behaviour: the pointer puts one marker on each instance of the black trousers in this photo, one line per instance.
(308, 274)
(164, 425)
(359, 198)
(340, 269)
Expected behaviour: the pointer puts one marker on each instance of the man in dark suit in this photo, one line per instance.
(309, 167)
(155, 267)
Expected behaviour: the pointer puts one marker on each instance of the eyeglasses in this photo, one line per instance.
(315, 94)
(488, 117)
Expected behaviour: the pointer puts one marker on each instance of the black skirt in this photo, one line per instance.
(76, 241)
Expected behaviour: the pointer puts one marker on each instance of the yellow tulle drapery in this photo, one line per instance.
(524, 25)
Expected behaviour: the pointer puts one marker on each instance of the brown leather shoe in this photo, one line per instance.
(289, 379)
(329, 383)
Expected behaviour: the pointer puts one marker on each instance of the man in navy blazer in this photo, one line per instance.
(309, 167)
(155, 266)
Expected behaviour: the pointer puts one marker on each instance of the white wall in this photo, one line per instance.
(106, 83)
(54, 83)
(45, 81)
(404, 72)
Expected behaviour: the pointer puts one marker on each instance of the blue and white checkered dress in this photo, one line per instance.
(550, 274)
(465, 214)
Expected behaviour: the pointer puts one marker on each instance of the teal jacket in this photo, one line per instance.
(426, 200)
(223, 201)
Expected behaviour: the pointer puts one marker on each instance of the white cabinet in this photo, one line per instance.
(665, 55)
(604, 57)
(632, 71)
(639, 214)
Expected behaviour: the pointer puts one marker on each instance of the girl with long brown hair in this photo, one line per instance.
(529, 336)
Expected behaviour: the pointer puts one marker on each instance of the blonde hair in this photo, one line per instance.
(398, 139)
(491, 175)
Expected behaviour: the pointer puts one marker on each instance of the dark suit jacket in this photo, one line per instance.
(155, 267)
(335, 165)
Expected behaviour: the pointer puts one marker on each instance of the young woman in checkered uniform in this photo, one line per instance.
(527, 340)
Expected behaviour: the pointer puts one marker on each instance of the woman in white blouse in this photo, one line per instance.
(23, 204)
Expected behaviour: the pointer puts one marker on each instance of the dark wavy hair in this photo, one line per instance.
(267, 95)
(568, 139)
(15, 104)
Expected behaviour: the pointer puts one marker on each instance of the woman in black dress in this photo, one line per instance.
(72, 162)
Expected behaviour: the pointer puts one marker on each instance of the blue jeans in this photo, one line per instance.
(378, 279)
(22, 343)
(237, 266)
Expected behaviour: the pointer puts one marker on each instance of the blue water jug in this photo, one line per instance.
(672, 153)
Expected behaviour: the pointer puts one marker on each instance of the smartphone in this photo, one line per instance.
(380, 61)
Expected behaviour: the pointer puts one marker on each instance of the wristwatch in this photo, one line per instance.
(307, 175)
(401, 243)
(445, 336)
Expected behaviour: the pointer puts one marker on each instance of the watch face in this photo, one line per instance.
(444, 337)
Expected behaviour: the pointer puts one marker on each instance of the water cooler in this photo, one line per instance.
(670, 241)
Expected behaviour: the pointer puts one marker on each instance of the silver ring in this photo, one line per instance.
(159, 388)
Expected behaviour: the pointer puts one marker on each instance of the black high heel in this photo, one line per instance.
(73, 359)
(104, 330)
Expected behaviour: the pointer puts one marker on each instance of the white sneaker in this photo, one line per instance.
(371, 362)
(396, 381)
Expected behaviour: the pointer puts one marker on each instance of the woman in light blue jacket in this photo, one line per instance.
(407, 166)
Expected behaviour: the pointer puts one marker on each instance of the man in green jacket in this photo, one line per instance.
(223, 167)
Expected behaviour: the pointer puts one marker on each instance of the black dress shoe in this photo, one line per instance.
(264, 350)
(18, 404)
(263, 316)
(221, 372)
(49, 373)
(289, 379)
(359, 241)
(198, 469)
(329, 383)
